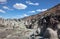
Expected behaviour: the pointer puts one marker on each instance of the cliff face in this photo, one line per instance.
(40, 26)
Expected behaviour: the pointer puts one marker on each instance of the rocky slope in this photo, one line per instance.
(45, 25)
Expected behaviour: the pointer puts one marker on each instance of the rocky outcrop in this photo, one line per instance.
(47, 21)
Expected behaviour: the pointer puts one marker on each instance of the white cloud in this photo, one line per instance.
(24, 15)
(38, 10)
(5, 7)
(2, 11)
(20, 16)
(3, 1)
(41, 10)
(31, 12)
(29, 2)
(19, 6)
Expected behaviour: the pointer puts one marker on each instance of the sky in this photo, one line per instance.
(24, 8)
